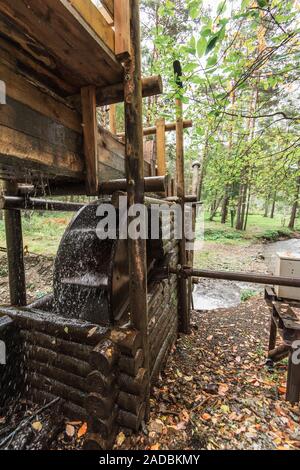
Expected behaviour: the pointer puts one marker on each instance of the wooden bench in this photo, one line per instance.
(285, 320)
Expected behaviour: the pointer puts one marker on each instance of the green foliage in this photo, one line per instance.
(247, 294)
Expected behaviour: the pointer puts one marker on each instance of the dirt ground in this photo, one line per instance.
(214, 393)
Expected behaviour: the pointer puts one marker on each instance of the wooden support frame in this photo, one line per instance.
(112, 119)
(161, 147)
(137, 251)
(90, 133)
(15, 258)
(169, 127)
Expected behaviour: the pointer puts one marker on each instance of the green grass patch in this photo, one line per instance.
(247, 294)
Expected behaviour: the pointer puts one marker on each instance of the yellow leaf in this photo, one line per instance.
(120, 438)
(82, 431)
(155, 447)
(37, 426)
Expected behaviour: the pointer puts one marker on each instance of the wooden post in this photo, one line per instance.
(112, 119)
(196, 178)
(15, 259)
(161, 147)
(184, 307)
(137, 253)
(90, 133)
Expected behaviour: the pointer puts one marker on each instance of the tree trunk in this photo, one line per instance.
(273, 206)
(294, 207)
(224, 211)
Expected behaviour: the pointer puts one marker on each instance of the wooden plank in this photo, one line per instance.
(72, 45)
(122, 29)
(109, 6)
(161, 147)
(20, 89)
(90, 137)
(112, 119)
(92, 15)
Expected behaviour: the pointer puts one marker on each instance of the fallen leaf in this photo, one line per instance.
(282, 390)
(82, 431)
(37, 426)
(209, 338)
(92, 331)
(70, 430)
(155, 447)
(223, 389)
(120, 438)
(206, 416)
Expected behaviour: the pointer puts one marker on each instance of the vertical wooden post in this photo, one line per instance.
(184, 307)
(112, 119)
(137, 253)
(90, 136)
(195, 178)
(15, 259)
(161, 147)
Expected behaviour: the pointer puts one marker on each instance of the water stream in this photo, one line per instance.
(211, 294)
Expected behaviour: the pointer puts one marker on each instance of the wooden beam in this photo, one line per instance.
(169, 127)
(137, 251)
(161, 147)
(90, 133)
(122, 29)
(15, 259)
(112, 119)
(109, 6)
(184, 308)
(93, 16)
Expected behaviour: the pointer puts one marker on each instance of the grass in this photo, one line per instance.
(41, 233)
(258, 228)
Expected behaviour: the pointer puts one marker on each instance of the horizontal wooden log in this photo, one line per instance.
(151, 86)
(61, 361)
(62, 376)
(106, 428)
(131, 365)
(152, 184)
(131, 420)
(96, 442)
(70, 329)
(129, 402)
(104, 357)
(135, 385)
(99, 406)
(128, 341)
(58, 389)
(163, 353)
(19, 202)
(100, 384)
(69, 348)
(43, 303)
(168, 128)
(6, 324)
(69, 410)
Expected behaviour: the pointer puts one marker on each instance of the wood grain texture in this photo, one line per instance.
(90, 137)
(122, 29)
(161, 147)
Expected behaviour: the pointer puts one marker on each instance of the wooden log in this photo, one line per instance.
(135, 385)
(96, 382)
(70, 410)
(113, 94)
(104, 427)
(184, 307)
(6, 324)
(279, 353)
(104, 357)
(61, 361)
(43, 303)
(273, 333)
(131, 420)
(15, 258)
(60, 375)
(131, 365)
(19, 202)
(169, 127)
(112, 119)
(99, 406)
(69, 348)
(122, 29)
(70, 329)
(161, 146)
(151, 184)
(129, 402)
(90, 131)
(96, 442)
(59, 389)
(128, 341)
(163, 353)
